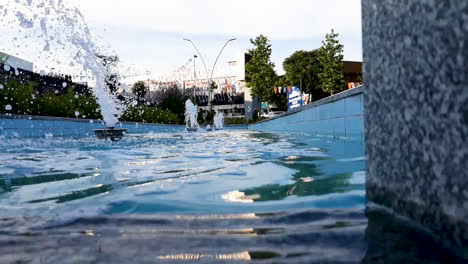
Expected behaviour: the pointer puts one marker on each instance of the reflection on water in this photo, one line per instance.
(294, 237)
(324, 236)
(219, 172)
(394, 240)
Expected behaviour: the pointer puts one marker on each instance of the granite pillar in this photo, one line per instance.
(416, 113)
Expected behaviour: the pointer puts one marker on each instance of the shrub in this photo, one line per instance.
(149, 114)
(24, 100)
(255, 116)
(236, 121)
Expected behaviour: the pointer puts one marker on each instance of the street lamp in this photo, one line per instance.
(212, 71)
(194, 80)
(206, 69)
(201, 57)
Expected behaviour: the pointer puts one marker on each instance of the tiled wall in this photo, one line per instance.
(340, 115)
(34, 126)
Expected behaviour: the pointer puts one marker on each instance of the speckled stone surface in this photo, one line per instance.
(416, 112)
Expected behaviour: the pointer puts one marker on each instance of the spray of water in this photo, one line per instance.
(54, 35)
(191, 115)
(219, 120)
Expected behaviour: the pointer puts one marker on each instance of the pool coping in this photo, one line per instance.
(82, 120)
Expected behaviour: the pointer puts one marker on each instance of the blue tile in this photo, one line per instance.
(354, 105)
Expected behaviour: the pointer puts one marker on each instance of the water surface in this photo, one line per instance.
(231, 171)
(230, 196)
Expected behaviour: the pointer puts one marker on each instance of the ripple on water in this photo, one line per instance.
(164, 172)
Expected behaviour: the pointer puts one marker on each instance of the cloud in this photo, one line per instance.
(279, 19)
(148, 33)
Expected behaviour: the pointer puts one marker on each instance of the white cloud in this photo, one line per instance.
(292, 19)
(291, 25)
(148, 33)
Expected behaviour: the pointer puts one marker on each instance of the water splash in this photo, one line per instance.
(191, 115)
(54, 35)
(219, 120)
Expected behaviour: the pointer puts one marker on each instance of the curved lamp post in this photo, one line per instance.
(212, 71)
(206, 69)
(201, 57)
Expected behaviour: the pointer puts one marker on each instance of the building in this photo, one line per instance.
(15, 62)
(353, 73)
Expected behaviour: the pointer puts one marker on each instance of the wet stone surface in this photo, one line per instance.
(416, 109)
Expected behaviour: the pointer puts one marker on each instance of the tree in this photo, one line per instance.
(302, 69)
(139, 89)
(280, 100)
(260, 73)
(172, 99)
(331, 77)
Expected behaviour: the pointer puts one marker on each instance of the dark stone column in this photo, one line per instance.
(416, 112)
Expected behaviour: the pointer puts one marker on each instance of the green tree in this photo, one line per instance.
(280, 100)
(172, 99)
(149, 114)
(331, 77)
(20, 98)
(260, 73)
(302, 69)
(139, 89)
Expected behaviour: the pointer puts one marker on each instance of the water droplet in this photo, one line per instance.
(8, 107)
(76, 96)
(6, 67)
(64, 84)
(56, 91)
(1, 87)
(77, 113)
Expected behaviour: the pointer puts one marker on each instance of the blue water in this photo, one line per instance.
(231, 171)
(233, 196)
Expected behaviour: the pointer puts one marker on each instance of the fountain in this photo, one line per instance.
(59, 35)
(219, 121)
(191, 114)
(114, 134)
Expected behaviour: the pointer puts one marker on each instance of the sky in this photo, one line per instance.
(149, 33)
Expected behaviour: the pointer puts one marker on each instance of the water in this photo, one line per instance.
(219, 120)
(235, 195)
(54, 33)
(191, 115)
(218, 172)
